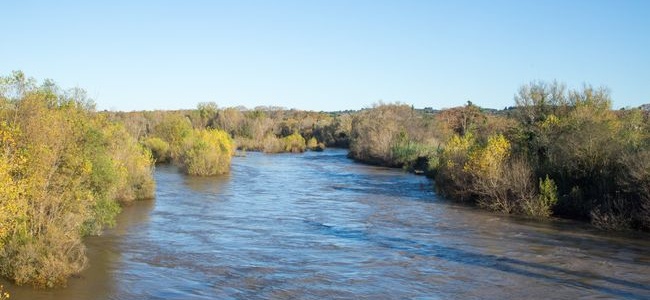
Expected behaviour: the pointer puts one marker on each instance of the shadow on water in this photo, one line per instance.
(504, 264)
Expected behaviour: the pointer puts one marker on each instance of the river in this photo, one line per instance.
(319, 226)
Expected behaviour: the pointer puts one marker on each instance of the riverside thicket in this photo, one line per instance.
(556, 152)
(64, 171)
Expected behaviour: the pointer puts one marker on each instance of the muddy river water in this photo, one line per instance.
(319, 226)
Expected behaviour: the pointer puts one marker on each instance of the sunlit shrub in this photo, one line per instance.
(134, 162)
(452, 179)
(312, 143)
(207, 152)
(294, 143)
(486, 167)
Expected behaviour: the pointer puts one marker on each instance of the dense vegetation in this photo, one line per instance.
(64, 170)
(557, 152)
(202, 152)
(267, 129)
(393, 135)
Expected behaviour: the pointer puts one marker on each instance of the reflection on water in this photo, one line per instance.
(318, 226)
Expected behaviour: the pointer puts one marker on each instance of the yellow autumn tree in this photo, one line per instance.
(486, 167)
(452, 180)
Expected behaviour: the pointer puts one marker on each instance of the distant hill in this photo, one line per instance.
(645, 107)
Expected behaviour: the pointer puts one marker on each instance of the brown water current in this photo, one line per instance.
(319, 226)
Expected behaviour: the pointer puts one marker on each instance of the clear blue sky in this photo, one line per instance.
(326, 55)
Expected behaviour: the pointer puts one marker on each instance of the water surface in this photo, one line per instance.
(317, 226)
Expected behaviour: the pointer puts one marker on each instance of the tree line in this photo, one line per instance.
(266, 129)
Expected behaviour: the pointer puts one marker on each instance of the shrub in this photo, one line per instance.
(413, 155)
(518, 179)
(159, 149)
(312, 143)
(294, 143)
(612, 214)
(547, 195)
(174, 129)
(134, 163)
(486, 166)
(207, 152)
(272, 144)
(451, 179)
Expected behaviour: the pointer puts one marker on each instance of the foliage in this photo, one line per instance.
(547, 199)
(174, 129)
(312, 143)
(451, 179)
(462, 120)
(392, 135)
(255, 129)
(294, 143)
(207, 152)
(412, 155)
(63, 169)
(135, 161)
(485, 166)
(568, 154)
(159, 149)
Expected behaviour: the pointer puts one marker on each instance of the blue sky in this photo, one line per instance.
(327, 55)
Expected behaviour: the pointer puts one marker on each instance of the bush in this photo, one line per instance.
(488, 175)
(294, 143)
(174, 129)
(486, 166)
(207, 152)
(134, 162)
(272, 144)
(547, 196)
(412, 155)
(451, 179)
(159, 149)
(312, 143)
